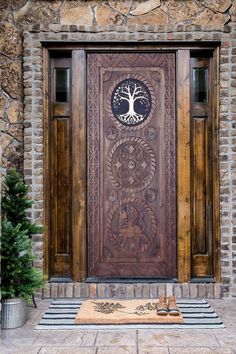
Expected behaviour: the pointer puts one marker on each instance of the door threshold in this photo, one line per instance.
(130, 280)
(60, 280)
(203, 280)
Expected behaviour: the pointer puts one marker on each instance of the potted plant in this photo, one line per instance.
(19, 279)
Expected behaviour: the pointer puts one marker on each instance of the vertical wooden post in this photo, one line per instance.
(79, 165)
(183, 169)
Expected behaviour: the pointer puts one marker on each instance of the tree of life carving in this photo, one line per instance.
(131, 102)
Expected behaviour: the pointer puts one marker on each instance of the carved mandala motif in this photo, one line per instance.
(111, 133)
(132, 226)
(131, 164)
(150, 133)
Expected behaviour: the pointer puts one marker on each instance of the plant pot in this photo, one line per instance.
(13, 313)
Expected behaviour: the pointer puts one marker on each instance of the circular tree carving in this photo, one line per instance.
(131, 102)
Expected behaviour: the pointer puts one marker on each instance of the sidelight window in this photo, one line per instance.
(62, 78)
(200, 77)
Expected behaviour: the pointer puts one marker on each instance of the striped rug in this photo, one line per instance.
(196, 313)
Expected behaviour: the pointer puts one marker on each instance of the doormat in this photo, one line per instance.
(196, 314)
(133, 311)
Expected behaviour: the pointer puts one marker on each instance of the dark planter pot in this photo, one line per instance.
(13, 313)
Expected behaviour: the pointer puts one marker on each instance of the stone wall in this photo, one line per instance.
(131, 20)
(15, 14)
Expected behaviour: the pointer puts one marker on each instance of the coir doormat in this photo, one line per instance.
(196, 314)
(135, 311)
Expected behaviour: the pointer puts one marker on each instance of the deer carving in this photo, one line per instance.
(129, 227)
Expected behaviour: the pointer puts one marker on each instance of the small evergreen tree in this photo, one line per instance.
(18, 276)
(15, 202)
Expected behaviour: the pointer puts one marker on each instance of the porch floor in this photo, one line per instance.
(26, 340)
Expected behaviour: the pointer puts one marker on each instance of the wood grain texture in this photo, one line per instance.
(59, 179)
(63, 176)
(202, 175)
(131, 168)
(183, 199)
(79, 165)
(199, 185)
(60, 207)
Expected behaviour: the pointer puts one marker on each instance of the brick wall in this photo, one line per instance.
(131, 20)
(129, 291)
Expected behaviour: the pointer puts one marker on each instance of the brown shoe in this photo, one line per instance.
(172, 306)
(162, 308)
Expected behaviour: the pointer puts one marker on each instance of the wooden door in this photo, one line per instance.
(59, 138)
(201, 166)
(131, 159)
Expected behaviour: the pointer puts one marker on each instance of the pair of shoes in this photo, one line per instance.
(167, 305)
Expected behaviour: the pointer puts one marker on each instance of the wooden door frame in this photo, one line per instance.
(183, 166)
(79, 163)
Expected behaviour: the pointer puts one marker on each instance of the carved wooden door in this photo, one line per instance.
(131, 165)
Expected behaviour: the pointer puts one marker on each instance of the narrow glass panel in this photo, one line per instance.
(62, 84)
(200, 85)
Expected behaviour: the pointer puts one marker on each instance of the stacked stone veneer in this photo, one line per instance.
(117, 21)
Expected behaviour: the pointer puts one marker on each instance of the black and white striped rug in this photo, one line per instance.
(196, 313)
